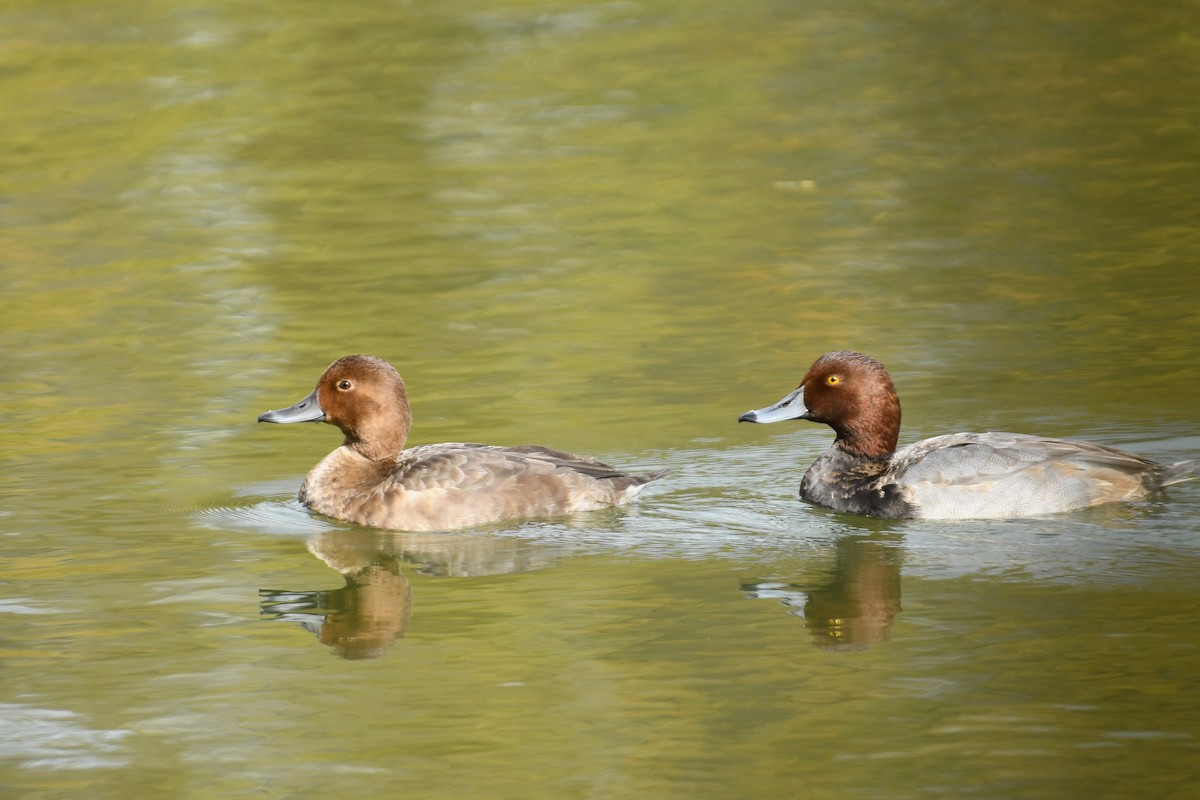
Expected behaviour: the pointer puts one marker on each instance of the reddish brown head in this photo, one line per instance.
(851, 393)
(363, 396)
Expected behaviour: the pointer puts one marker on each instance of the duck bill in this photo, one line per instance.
(790, 407)
(307, 410)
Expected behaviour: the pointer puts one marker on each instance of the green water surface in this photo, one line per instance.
(609, 228)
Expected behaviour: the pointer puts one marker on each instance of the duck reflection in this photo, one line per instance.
(856, 608)
(362, 619)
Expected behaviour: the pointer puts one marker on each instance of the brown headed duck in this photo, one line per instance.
(958, 476)
(372, 480)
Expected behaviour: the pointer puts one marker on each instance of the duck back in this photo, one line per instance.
(461, 484)
(996, 475)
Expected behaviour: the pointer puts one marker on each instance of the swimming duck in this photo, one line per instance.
(957, 476)
(373, 480)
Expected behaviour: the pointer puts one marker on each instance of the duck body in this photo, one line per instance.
(958, 476)
(372, 479)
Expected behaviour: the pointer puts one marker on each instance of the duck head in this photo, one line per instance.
(365, 398)
(851, 393)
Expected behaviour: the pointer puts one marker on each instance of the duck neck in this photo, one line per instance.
(868, 449)
(873, 435)
(381, 441)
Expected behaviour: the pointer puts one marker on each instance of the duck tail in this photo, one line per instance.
(631, 486)
(650, 477)
(1176, 473)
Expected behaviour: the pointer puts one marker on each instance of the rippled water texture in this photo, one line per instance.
(610, 228)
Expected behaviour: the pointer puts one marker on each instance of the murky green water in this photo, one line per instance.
(610, 228)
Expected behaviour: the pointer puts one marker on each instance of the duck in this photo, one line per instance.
(992, 475)
(373, 480)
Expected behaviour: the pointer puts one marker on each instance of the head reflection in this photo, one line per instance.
(363, 618)
(366, 616)
(853, 609)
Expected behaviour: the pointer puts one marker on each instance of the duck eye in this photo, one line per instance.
(833, 380)
(345, 385)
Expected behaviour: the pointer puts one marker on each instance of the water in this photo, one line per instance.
(610, 228)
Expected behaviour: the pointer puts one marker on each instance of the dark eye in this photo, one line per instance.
(345, 385)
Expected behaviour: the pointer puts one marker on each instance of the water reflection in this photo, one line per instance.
(856, 607)
(362, 619)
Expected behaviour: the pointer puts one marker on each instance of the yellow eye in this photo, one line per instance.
(834, 380)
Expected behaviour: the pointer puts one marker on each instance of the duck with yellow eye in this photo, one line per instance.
(958, 476)
(374, 479)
